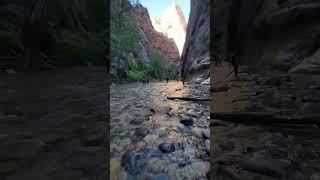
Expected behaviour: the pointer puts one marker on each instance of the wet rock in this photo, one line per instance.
(197, 132)
(133, 162)
(206, 133)
(192, 113)
(140, 132)
(156, 165)
(185, 130)
(206, 82)
(150, 139)
(136, 121)
(199, 80)
(207, 146)
(151, 153)
(167, 147)
(187, 121)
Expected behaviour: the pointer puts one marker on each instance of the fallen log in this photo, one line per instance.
(265, 118)
(188, 98)
(219, 89)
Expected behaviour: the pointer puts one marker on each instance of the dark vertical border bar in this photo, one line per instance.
(212, 3)
(107, 61)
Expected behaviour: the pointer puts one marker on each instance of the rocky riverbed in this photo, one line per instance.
(53, 124)
(265, 151)
(159, 138)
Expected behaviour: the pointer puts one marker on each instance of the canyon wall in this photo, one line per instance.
(158, 41)
(196, 51)
(282, 35)
(172, 24)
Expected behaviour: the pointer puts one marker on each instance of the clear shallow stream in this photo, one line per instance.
(156, 138)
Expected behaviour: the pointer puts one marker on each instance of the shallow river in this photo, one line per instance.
(156, 138)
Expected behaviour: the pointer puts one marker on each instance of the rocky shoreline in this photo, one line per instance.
(266, 151)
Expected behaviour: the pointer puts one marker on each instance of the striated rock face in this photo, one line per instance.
(158, 41)
(172, 24)
(274, 34)
(196, 52)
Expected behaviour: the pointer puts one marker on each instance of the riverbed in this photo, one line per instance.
(152, 137)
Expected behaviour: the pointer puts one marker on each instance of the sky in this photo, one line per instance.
(157, 7)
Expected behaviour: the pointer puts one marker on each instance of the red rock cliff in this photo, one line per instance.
(159, 42)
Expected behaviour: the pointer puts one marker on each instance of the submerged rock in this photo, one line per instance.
(133, 162)
(167, 147)
(187, 121)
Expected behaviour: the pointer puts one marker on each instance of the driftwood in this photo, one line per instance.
(188, 98)
(265, 118)
(219, 89)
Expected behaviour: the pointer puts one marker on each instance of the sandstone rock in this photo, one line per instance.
(158, 41)
(172, 24)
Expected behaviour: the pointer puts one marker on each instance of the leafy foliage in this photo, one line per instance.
(10, 43)
(77, 48)
(75, 30)
(156, 69)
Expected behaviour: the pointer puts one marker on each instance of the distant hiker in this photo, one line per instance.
(235, 64)
(167, 80)
(147, 81)
(183, 81)
(219, 58)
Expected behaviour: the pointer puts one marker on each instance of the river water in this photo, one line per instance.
(156, 138)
